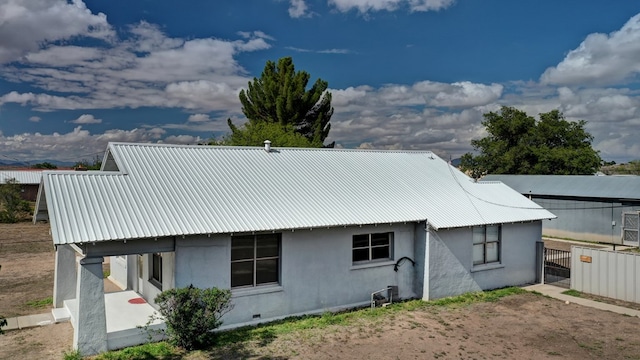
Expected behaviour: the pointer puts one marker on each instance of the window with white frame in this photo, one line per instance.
(370, 247)
(486, 244)
(155, 275)
(255, 260)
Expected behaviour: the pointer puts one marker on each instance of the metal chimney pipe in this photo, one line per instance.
(267, 145)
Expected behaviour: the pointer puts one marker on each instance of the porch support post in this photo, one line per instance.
(427, 263)
(90, 332)
(64, 278)
(540, 262)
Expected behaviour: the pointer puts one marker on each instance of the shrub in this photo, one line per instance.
(191, 314)
(13, 207)
(3, 322)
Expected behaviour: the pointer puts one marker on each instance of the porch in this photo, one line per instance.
(126, 314)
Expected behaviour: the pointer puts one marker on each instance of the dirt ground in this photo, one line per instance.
(26, 275)
(526, 326)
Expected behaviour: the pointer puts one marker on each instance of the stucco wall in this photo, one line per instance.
(149, 290)
(585, 220)
(316, 272)
(118, 271)
(451, 260)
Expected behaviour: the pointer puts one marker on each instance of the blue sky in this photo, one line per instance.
(404, 74)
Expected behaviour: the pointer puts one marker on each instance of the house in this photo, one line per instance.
(290, 231)
(29, 181)
(588, 207)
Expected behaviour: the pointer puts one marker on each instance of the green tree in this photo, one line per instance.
(12, 207)
(44, 165)
(280, 96)
(254, 134)
(518, 144)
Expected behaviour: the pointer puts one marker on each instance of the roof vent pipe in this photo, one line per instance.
(267, 145)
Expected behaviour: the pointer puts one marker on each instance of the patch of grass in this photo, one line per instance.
(290, 325)
(572, 292)
(470, 298)
(106, 273)
(72, 355)
(266, 333)
(40, 303)
(159, 350)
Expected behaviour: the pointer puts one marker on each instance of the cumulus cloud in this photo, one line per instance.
(196, 118)
(35, 119)
(298, 8)
(27, 25)
(72, 145)
(86, 119)
(144, 69)
(365, 6)
(600, 59)
(397, 116)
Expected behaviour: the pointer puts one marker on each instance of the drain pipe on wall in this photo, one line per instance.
(425, 281)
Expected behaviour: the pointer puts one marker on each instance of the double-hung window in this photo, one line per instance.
(156, 270)
(486, 244)
(255, 260)
(369, 247)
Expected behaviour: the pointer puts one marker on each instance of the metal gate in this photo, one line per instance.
(630, 228)
(557, 267)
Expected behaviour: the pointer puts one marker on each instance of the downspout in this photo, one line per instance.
(426, 272)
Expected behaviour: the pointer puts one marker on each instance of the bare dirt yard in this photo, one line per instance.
(525, 326)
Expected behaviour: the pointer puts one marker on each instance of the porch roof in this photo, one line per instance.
(152, 190)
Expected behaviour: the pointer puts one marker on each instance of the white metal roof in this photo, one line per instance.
(30, 177)
(613, 187)
(168, 190)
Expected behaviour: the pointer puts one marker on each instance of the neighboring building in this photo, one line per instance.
(29, 181)
(588, 207)
(289, 230)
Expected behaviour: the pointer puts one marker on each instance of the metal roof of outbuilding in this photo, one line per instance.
(588, 186)
(29, 177)
(172, 190)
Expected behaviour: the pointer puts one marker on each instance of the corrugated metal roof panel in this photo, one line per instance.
(606, 187)
(180, 190)
(22, 176)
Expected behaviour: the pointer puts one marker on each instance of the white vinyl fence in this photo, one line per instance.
(607, 273)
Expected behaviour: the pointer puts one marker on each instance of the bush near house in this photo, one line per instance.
(191, 314)
(12, 207)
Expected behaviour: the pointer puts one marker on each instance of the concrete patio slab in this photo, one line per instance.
(127, 313)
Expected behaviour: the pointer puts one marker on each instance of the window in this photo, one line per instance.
(486, 244)
(156, 270)
(368, 247)
(255, 260)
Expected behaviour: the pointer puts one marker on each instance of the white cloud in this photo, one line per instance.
(35, 119)
(600, 59)
(298, 8)
(141, 71)
(86, 119)
(26, 25)
(72, 146)
(196, 118)
(365, 6)
(325, 51)
(466, 94)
